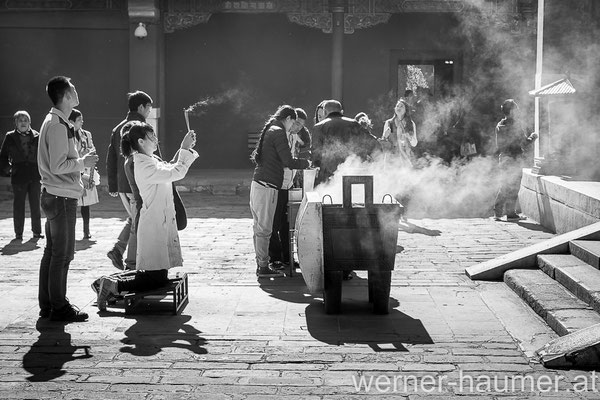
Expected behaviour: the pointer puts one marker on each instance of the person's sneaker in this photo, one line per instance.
(19, 237)
(96, 285)
(108, 288)
(497, 218)
(278, 265)
(268, 272)
(514, 217)
(38, 236)
(68, 313)
(116, 258)
(45, 313)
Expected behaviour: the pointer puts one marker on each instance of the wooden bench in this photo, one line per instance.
(175, 292)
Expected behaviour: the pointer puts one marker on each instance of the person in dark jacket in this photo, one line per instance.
(271, 155)
(279, 245)
(335, 138)
(371, 146)
(18, 159)
(511, 139)
(140, 105)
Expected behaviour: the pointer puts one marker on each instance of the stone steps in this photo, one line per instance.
(561, 309)
(577, 276)
(586, 250)
(565, 290)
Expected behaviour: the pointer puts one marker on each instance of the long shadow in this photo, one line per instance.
(84, 244)
(409, 227)
(151, 334)
(290, 289)
(356, 323)
(46, 358)
(17, 246)
(533, 226)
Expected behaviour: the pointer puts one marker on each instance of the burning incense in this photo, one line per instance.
(186, 115)
(195, 109)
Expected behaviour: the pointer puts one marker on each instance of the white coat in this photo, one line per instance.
(157, 239)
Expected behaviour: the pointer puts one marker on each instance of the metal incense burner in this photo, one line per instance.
(333, 238)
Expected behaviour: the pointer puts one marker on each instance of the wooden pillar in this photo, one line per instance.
(337, 51)
(146, 61)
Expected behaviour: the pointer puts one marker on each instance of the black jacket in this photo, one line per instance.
(276, 154)
(511, 138)
(117, 181)
(334, 140)
(13, 161)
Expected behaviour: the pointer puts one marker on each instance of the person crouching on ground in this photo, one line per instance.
(271, 155)
(158, 247)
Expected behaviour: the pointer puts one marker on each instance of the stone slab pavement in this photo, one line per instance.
(445, 337)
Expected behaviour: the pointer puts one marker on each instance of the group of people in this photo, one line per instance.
(336, 137)
(285, 146)
(18, 160)
(56, 168)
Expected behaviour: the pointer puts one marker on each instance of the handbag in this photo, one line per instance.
(180, 213)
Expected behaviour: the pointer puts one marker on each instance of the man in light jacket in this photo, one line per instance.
(60, 169)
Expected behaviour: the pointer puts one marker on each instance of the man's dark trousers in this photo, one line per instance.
(279, 244)
(21, 191)
(61, 214)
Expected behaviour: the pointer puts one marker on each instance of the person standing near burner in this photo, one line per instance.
(335, 138)
(271, 155)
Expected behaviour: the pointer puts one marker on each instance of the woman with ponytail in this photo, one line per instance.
(271, 155)
(158, 247)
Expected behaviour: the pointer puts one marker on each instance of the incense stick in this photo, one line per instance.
(187, 118)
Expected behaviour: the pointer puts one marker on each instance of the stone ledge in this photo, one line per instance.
(558, 204)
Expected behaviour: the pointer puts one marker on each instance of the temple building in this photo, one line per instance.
(231, 63)
(237, 60)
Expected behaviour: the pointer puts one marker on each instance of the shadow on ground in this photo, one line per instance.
(533, 226)
(356, 323)
(46, 358)
(409, 227)
(17, 246)
(151, 334)
(84, 244)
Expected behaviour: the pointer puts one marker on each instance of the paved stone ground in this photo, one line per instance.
(240, 339)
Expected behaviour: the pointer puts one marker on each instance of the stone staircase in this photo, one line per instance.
(565, 289)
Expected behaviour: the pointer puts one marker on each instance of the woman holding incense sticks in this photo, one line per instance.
(158, 247)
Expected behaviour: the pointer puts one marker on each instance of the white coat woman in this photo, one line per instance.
(90, 176)
(158, 247)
